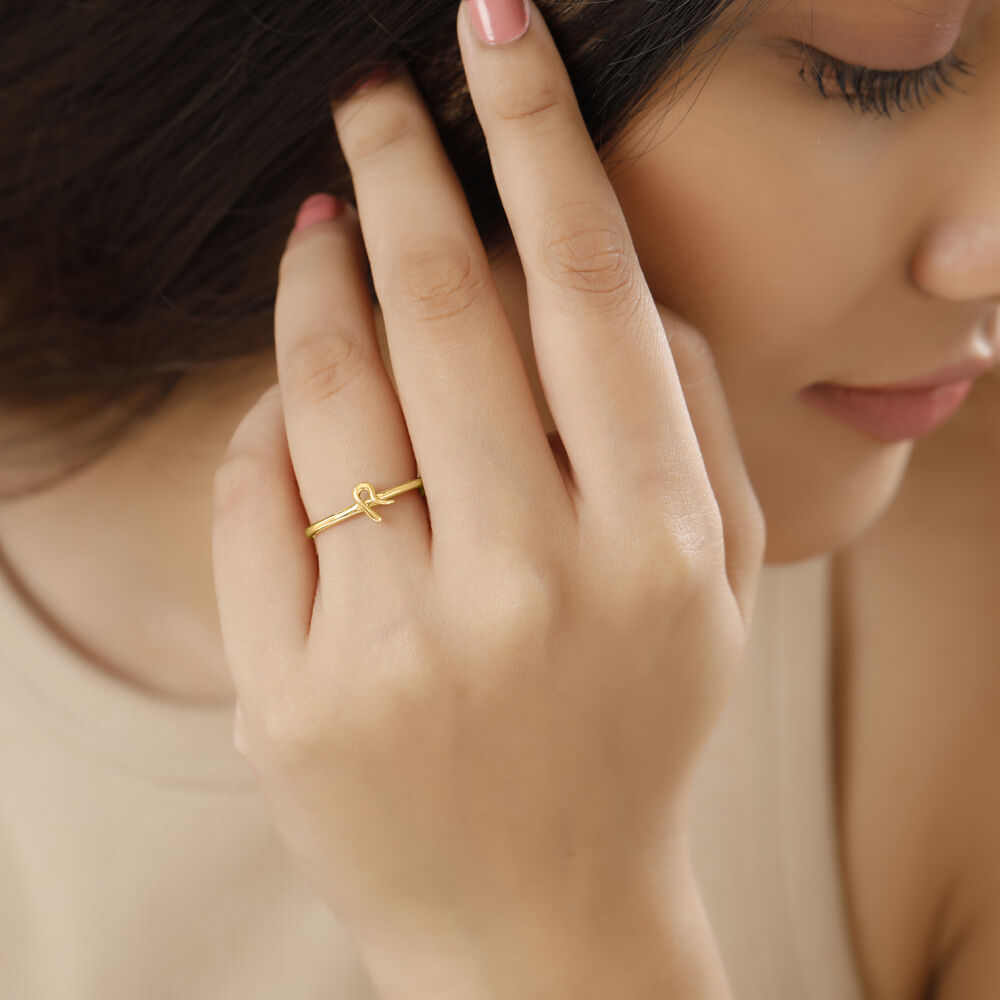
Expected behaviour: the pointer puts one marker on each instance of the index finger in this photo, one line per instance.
(603, 357)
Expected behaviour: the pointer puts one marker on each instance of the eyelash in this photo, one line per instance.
(874, 91)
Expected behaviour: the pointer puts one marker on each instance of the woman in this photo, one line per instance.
(800, 222)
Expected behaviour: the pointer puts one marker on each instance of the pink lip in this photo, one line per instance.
(944, 376)
(889, 417)
(890, 413)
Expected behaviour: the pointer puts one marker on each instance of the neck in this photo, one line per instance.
(117, 559)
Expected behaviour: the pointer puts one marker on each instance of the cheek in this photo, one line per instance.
(753, 229)
(727, 258)
(780, 228)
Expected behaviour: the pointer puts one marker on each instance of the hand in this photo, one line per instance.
(488, 706)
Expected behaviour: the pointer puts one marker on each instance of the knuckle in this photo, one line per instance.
(669, 582)
(700, 540)
(291, 728)
(373, 132)
(240, 475)
(592, 256)
(653, 588)
(439, 283)
(524, 594)
(321, 365)
(533, 106)
(288, 742)
(690, 551)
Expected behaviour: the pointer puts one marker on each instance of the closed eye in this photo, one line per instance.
(877, 91)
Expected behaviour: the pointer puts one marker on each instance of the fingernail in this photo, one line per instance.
(499, 21)
(368, 81)
(318, 208)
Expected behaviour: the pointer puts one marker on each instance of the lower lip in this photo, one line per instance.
(890, 416)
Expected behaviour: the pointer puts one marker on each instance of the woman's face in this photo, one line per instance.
(810, 242)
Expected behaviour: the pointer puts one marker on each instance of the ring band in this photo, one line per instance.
(363, 506)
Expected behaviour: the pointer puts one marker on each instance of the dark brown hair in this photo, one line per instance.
(153, 155)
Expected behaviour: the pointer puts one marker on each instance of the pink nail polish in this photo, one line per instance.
(499, 21)
(318, 208)
(372, 79)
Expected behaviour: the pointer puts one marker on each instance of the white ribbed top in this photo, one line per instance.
(137, 858)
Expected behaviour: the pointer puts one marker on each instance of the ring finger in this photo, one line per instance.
(343, 419)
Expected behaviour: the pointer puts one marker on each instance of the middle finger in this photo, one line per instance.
(477, 435)
(603, 357)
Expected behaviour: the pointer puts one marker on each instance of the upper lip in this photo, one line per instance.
(960, 372)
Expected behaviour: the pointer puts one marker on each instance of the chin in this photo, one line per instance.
(814, 515)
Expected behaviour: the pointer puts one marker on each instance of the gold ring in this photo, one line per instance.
(363, 506)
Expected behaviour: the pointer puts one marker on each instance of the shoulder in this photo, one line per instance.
(919, 746)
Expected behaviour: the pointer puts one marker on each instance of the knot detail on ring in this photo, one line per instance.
(374, 498)
(364, 505)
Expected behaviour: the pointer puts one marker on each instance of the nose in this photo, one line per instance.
(960, 259)
(957, 256)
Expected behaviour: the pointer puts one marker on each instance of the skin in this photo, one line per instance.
(819, 483)
(915, 652)
(365, 660)
(853, 282)
(894, 298)
(892, 273)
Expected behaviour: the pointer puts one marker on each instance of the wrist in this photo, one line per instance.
(630, 947)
